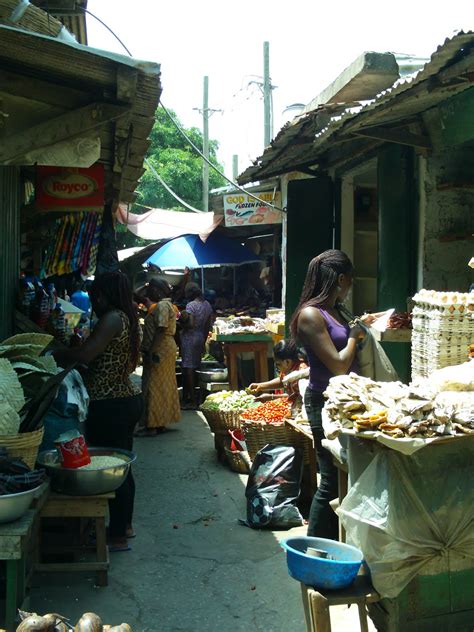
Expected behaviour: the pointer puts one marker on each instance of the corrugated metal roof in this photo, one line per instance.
(302, 141)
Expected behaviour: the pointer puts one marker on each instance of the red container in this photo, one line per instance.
(73, 449)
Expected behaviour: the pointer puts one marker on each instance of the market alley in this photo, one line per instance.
(192, 567)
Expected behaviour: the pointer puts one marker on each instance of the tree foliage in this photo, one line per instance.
(178, 164)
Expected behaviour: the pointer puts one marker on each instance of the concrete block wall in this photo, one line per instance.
(448, 215)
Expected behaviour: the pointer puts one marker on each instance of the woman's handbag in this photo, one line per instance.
(372, 360)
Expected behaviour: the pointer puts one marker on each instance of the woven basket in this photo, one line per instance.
(228, 420)
(258, 434)
(211, 417)
(24, 446)
(236, 462)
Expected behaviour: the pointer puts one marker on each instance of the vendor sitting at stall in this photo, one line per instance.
(288, 359)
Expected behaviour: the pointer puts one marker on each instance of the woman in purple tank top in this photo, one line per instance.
(330, 345)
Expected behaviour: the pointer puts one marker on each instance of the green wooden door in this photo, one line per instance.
(397, 239)
(309, 231)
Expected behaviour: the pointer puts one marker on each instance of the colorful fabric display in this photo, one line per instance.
(75, 246)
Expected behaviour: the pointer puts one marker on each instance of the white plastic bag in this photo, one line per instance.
(406, 511)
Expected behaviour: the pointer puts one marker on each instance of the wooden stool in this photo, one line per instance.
(92, 507)
(260, 352)
(316, 603)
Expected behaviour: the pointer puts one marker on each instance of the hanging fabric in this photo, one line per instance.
(75, 245)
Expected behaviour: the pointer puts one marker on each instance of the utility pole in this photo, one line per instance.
(267, 96)
(235, 167)
(266, 87)
(206, 112)
(205, 146)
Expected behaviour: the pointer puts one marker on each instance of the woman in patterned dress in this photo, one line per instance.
(111, 354)
(159, 361)
(197, 324)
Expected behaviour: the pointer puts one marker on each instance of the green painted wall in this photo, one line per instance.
(397, 239)
(310, 229)
(457, 119)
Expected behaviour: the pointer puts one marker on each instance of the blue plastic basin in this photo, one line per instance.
(331, 574)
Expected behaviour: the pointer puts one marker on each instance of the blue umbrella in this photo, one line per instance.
(189, 251)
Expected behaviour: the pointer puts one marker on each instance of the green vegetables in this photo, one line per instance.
(229, 400)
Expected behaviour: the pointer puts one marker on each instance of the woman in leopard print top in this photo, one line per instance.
(111, 355)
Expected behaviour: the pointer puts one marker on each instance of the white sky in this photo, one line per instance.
(311, 42)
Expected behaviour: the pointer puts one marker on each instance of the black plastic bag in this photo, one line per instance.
(273, 488)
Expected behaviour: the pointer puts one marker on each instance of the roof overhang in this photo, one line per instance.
(333, 133)
(64, 102)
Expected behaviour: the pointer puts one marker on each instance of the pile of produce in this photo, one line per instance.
(272, 412)
(441, 405)
(16, 476)
(400, 320)
(227, 401)
(89, 622)
(240, 325)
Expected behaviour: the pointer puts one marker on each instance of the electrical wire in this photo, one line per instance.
(234, 184)
(170, 190)
(178, 127)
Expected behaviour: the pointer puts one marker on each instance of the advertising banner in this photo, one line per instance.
(243, 210)
(70, 188)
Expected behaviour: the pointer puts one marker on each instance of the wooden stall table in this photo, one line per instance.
(245, 343)
(305, 431)
(93, 508)
(15, 543)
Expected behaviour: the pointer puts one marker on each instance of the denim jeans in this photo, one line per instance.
(322, 519)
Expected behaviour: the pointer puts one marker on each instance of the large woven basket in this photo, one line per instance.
(24, 446)
(236, 461)
(211, 417)
(258, 434)
(228, 420)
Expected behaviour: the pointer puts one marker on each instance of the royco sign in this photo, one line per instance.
(69, 188)
(243, 210)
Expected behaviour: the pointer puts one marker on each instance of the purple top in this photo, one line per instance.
(319, 374)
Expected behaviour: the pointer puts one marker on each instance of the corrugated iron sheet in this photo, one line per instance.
(9, 246)
(308, 136)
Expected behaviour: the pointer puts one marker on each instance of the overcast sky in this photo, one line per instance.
(311, 42)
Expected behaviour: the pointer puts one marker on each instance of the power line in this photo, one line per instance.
(178, 127)
(237, 186)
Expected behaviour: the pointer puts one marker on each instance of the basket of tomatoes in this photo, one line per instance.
(265, 424)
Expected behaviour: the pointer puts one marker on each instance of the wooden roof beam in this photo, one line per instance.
(64, 127)
(49, 92)
(398, 136)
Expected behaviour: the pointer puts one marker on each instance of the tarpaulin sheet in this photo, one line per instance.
(163, 224)
(404, 512)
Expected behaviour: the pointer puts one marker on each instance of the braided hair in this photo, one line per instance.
(321, 280)
(115, 287)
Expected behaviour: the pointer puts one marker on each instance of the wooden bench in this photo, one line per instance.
(95, 508)
(316, 603)
(16, 542)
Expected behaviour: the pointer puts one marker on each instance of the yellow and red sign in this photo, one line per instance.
(70, 188)
(243, 210)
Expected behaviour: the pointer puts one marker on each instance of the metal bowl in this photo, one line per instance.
(14, 506)
(214, 375)
(80, 482)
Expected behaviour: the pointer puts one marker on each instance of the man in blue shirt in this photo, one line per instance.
(81, 300)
